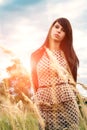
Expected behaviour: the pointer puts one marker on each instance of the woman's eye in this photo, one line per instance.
(63, 29)
(56, 26)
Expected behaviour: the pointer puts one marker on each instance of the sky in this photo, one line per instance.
(24, 25)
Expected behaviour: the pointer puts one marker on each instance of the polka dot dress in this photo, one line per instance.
(54, 97)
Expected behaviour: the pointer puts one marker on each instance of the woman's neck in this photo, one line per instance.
(54, 45)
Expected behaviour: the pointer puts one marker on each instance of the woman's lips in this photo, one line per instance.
(56, 35)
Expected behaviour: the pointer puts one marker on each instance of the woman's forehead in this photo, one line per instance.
(57, 23)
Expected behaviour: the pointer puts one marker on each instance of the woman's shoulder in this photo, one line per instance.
(38, 51)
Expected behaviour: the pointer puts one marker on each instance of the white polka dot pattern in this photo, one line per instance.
(45, 72)
(65, 115)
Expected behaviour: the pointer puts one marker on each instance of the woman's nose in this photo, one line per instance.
(58, 30)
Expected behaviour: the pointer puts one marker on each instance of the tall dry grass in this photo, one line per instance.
(22, 115)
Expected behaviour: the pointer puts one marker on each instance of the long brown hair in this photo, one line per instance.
(66, 45)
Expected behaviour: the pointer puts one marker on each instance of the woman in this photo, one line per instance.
(54, 71)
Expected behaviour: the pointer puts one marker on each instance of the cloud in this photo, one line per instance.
(28, 25)
(5, 2)
(71, 9)
(17, 5)
(2, 2)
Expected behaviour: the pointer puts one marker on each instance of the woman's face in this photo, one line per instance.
(57, 32)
